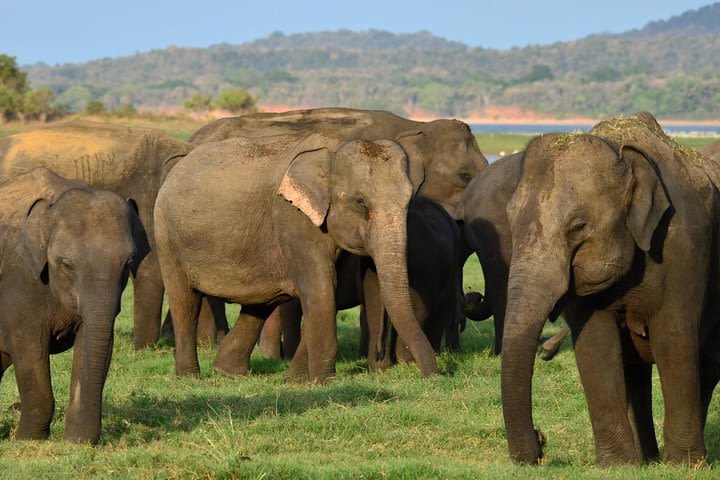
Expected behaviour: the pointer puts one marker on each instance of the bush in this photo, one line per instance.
(198, 103)
(95, 107)
(235, 100)
(126, 110)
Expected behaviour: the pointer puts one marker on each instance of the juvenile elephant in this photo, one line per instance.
(66, 253)
(483, 207)
(131, 162)
(620, 227)
(443, 156)
(292, 204)
(435, 260)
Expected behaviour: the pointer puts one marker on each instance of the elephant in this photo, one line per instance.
(443, 154)
(435, 260)
(131, 162)
(711, 150)
(291, 204)
(67, 251)
(618, 228)
(443, 157)
(487, 232)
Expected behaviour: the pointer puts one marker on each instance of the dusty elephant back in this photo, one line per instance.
(346, 122)
(104, 156)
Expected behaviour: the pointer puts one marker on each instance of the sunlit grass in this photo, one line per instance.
(362, 425)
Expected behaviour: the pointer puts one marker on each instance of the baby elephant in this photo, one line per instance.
(65, 254)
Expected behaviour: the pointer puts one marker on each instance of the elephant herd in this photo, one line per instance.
(295, 215)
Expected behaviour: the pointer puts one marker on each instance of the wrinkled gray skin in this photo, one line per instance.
(296, 203)
(66, 253)
(624, 232)
(131, 162)
(443, 157)
(435, 274)
(487, 233)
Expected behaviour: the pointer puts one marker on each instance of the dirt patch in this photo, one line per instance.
(374, 150)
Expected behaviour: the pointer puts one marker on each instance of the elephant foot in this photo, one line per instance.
(187, 371)
(231, 369)
(548, 349)
(296, 375)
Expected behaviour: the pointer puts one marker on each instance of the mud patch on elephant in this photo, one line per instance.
(257, 150)
(374, 150)
(620, 130)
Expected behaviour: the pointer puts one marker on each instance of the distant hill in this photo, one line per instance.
(420, 72)
(703, 21)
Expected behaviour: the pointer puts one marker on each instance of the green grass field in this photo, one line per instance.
(362, 425)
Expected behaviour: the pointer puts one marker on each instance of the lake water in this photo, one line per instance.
(673, 129)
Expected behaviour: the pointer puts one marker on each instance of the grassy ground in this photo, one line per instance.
(362, 425)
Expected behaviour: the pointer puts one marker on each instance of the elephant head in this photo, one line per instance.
(360, 195)
(83, 244)
(582, 210)
(444, 157)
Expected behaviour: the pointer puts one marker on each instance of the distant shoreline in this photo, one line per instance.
(533, 120)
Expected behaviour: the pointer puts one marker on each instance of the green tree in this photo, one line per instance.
(126, 110)
(8, 103)
(95, 107)
(539, 73)
(235, 100)
(11, 76)
(36, 104)
(198, 103)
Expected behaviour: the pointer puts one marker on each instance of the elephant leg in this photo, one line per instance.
(380, 351)
(298, 369)
(207, 326)
(709, 377)
(217, 306)
(185, 305)
(271, 336)
(291, 318)
(233, 357)
(5, 362)
(676, 356)
(364, 333)
(638, 382)
(32, 372)
(551, 347)
(148, 299)
(600, 363)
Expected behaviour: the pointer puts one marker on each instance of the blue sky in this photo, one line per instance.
(55, 31)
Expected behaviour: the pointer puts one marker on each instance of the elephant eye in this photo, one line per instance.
(577, 227)
(360, 202)
(66, 265)
(465, 176)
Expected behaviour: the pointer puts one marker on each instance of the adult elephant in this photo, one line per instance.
(443, 157)
(67, 251)
(131, 162)
(619, 226)
(483, 207)
(443, 154)
(711, 150)
(292, 204)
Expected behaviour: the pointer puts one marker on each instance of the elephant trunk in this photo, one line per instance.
(83, 419)
(388, 248)
(532, 294)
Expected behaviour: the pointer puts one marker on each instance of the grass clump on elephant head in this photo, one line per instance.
(562, 142)
(619, 130)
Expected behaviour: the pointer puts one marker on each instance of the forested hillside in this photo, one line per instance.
(669, 67)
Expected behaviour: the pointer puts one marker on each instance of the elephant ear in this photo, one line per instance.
(306, 184)
(648, 201)
(142, 244)
(33, 237)
(416, 146)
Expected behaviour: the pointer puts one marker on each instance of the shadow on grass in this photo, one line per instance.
(147, 418)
